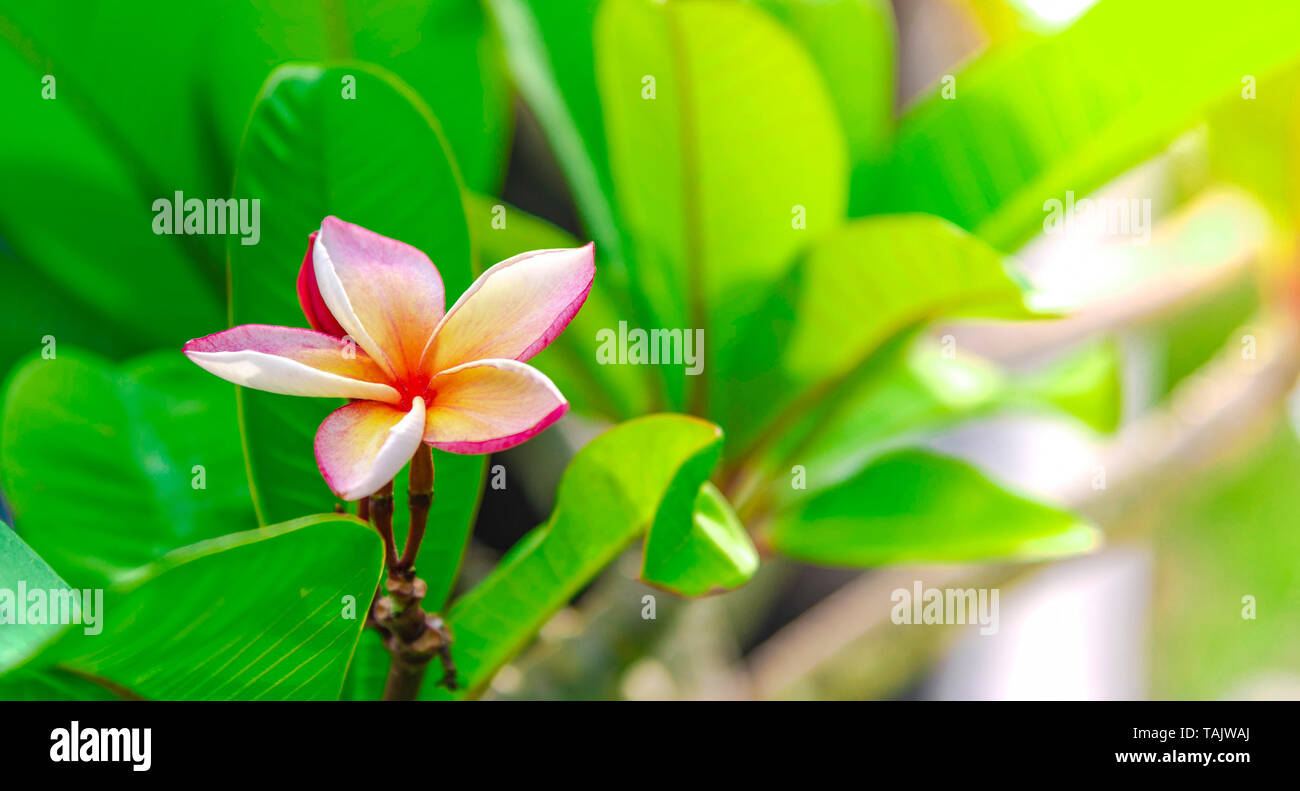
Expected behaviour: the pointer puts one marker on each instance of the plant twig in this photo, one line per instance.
(412, 636)
(381, 515)
(419, 496)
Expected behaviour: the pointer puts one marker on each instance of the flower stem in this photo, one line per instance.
(412, 636)
(419, 496)
(381, 514)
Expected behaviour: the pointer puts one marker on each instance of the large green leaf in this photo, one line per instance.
(447, 51)
(377, 160)
(726, 171)
(107, 68)
(269, 614)
(21, 567)
(100, 462)
(645, 474)
(914, 506)
(1030, 122)
(77, 209)
(852, 42)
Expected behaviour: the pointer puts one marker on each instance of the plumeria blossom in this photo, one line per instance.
(455, 380)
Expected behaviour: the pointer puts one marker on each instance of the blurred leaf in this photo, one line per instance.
(1189, 335)
(46, 308)
(853, 293)
(77, 209)
(645, 472)
(715, 178)
(852, 42)
(19, 565)
(376, 160)
(876, 277)
(1070, 111)
(550, 53)
(503, 231)
(1223, 534)
(915, 506)
(1253, 143)
(1083, 382)
(100, 461)
(271, 614)
(911, 391)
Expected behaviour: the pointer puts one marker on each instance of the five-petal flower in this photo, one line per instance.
(455, 380)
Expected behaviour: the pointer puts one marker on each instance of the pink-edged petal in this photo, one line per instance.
(362, 446)
(385, 293)
(490, 405)
(313, 304)
(514, 309)
(291, 361)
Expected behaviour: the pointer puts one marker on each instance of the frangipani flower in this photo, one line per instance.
(454, 380)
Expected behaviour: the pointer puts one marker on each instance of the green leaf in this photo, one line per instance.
(698, 547)
(20, 566)
(269, 614)
(913, 506)
(643, 473)
(48, 309)
(1028, 123)
(715, 179)
(877, 277)
(77, 208)
(852, 42)
(447, 51)
(377, 160)
(102, 463)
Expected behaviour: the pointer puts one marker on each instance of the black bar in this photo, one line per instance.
(337, 740)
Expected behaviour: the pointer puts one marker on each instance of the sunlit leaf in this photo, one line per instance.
(914, 506)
